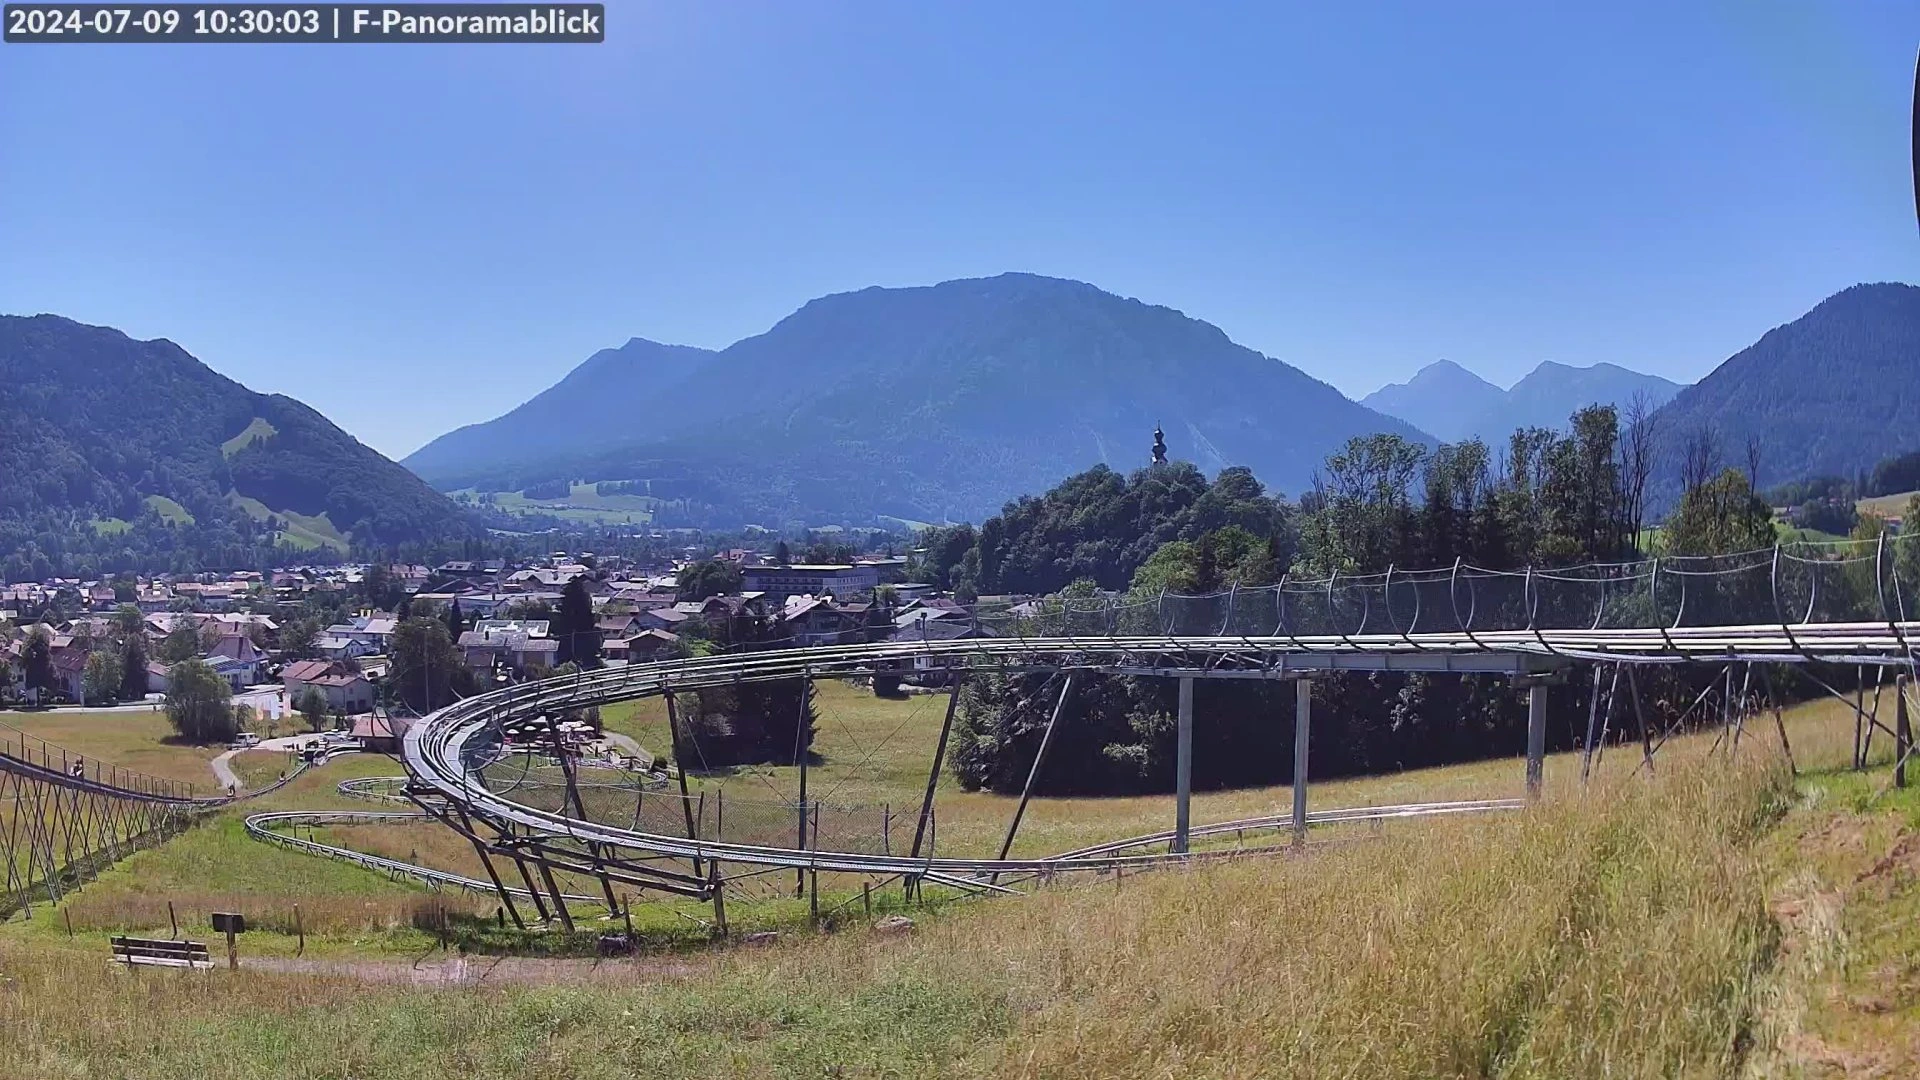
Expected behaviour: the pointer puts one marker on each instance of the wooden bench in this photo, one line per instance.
(160, 952)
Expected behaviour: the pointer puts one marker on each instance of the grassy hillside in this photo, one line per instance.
(1621, 935)
(306, 532)
(583, 503)
(1718, 918)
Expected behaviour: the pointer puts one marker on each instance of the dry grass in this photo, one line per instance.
(1620, 933)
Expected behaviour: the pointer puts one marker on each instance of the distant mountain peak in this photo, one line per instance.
(1437, 399)
(1452, 403)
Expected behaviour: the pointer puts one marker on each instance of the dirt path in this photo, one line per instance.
(223, 770)
(437, 969)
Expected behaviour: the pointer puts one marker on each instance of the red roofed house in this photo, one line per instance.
(381, 734)
(345, 688)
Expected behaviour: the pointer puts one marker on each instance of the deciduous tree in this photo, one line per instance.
(199, 703)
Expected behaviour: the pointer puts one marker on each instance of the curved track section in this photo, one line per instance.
(266, 827)
(445, 752)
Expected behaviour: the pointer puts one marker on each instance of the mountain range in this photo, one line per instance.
(1451, 403)
(944, 401)
(928, 403)
(109, 444)
(924, 403)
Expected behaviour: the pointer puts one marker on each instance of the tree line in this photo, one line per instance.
(1548, 498)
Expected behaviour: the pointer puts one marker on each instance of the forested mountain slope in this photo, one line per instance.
(123, 454)
(1832, 392)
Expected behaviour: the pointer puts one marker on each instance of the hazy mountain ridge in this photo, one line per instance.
(1454, 404)
(1443, 399)
(949, 399)
(601, 393)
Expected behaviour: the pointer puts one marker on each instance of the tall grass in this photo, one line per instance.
(1618, 933)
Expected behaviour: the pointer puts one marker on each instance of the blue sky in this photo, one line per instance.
(414, 237)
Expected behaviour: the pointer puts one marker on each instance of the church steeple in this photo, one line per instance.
(1159, 446)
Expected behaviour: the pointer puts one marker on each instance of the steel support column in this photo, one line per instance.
(939, 759)
(1183, 769)
(1903, 734)
(1302, 723)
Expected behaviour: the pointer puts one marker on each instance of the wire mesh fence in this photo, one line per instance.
(1793, 584)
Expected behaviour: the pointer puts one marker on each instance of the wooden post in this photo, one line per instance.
(800, 752)
(172, 920)
(1302, 727)
(718, 887)
(1536, 737)
(1183, 769)
(813, 897)
(233, 951)
(68, 912)
(866, 899)
(1859, 712)
(1903, 734)
(626, 917)
(933, 774)
(299, 929)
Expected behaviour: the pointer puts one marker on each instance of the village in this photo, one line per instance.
(311, 648)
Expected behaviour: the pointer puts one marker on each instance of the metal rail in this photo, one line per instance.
(442, 751)
(264, 827)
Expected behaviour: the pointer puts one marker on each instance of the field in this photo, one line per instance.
(170, 512)
(874, 753)
(1718, 918)
(304, 531)
(1886, 505)
(583, 504)
(257, 428)
(135, 739)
